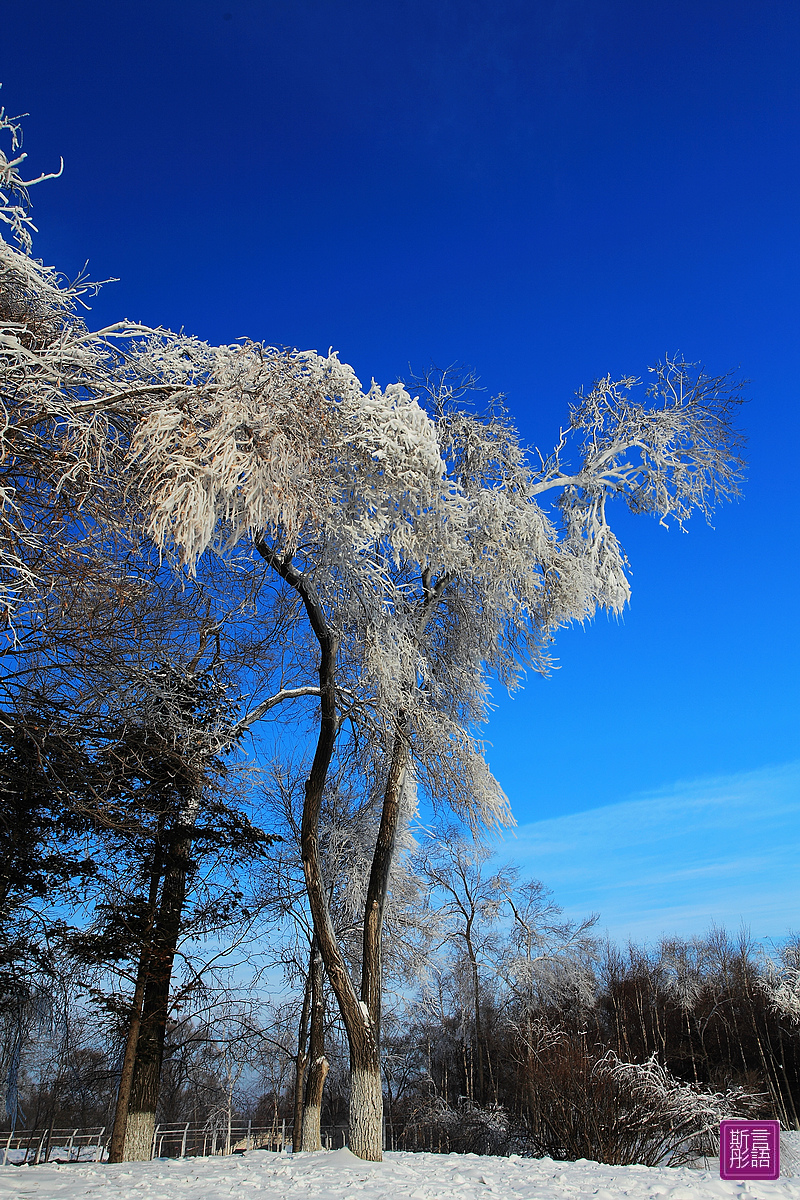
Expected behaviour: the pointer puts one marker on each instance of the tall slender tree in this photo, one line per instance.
(415, 539)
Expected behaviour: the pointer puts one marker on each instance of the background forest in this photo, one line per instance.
(509, 1029)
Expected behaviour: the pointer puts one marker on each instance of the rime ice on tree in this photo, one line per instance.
(749, 1150)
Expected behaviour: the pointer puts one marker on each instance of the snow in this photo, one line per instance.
(339, 1175)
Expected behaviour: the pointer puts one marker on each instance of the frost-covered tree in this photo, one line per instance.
(59, 445)
(467, 903)
(781, 981)
(425, 550)
(96, 625)
(507, 950)
(415, 536)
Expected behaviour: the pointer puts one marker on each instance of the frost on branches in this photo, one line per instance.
(662, 1119)
(425, 550)
(64, 422)
(781, 982)
(419, 525)
(414, 534)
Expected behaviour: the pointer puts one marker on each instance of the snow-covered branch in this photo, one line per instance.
(780, 983)
(264, 707)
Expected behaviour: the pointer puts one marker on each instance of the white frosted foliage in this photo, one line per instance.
(437, 552)
(421, 527)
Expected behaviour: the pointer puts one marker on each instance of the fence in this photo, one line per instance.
(53, 1145)
(180, 1139)
(175, 1140)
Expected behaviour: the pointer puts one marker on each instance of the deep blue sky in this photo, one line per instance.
(547, 191)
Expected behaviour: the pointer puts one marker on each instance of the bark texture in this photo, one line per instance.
(366, 1111)
(139, 1136)
(155, 1008)
(300, 1064)
(312, 1112)
(116, 1147)
(318, 1063)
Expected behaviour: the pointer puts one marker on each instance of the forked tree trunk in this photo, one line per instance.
(363, 1021)
(318, 1063)
(366, 1087)
(361, 1015)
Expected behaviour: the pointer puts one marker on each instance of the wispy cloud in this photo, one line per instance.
(723, 850)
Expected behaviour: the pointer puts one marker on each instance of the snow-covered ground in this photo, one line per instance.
(339, 1175)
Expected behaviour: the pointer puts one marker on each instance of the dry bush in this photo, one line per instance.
(582, 1105)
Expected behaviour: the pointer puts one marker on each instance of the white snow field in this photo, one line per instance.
(339, 1175)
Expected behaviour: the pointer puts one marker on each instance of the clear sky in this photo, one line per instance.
(547, 190)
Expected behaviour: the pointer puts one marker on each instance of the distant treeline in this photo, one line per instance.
(538, 1061)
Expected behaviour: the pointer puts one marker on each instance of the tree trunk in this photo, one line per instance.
(312, 1109)
(116, 1148)
(361, 1017)
(476, 1012)
(155, 1009)
(378, 887)
(318, 1063)
(300, 1064)
(366, 1110)
(366, 1107)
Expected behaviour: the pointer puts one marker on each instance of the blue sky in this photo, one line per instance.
(679, 860)
(548, 191)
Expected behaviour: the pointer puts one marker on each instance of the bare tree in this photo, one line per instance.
(468, 904)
